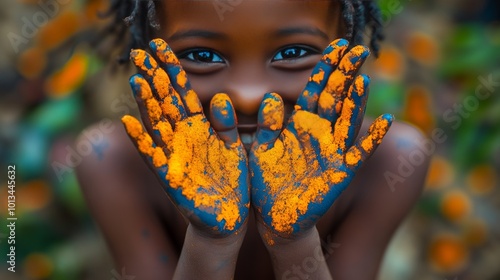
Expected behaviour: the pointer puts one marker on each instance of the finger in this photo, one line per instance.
(177, 75)
(331, 98)
(143, 142)
(270, 119)
(367, 144)
(170, 101)
(150, 111)
(223, 119)
(349, 122)
(319, 77)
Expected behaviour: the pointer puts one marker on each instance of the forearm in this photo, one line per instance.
(205, 257)
(300, 258)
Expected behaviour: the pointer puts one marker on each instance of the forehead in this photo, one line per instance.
(237, 15)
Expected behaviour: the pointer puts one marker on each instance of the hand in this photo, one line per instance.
(298, 172)
(202, 167)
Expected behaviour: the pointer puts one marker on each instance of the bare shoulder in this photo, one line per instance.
(393, 178)
(127, 202)
(111, 157)
(113, 166)
(402, 159)
(381, 195)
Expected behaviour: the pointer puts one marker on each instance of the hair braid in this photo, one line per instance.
(347, 14)
(374, 16)
(359, 21)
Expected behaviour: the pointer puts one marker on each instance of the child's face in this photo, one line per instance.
(253, 47)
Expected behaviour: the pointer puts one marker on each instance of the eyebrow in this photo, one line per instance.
(300, 30)
(197, 33)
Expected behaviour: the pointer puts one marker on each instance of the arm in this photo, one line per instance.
(205, 257)
(299, 258)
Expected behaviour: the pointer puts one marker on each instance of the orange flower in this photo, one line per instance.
(418, 108)
(476, 232)
(34, 195)
(38, 266)
(441, 173)
(455, 206)
(447, 253)
(482, 179)
(390, 63)
(422, 48)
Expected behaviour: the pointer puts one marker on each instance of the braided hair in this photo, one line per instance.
(139, 18)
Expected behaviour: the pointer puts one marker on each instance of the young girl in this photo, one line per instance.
(251, 111)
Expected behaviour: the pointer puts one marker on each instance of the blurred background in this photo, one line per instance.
(439, 69)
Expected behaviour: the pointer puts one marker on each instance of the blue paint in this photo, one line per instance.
(209, 218)
(355, 59)
(228, 120)
(163, 258)
(265, 136)
(147, 61)
(179, 105)
(136, 88)
(314, 88)
(342, 42)
(99, 148)
(172, 69)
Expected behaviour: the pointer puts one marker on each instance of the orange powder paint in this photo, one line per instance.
(318, 77)
(210, 180)
(288, 162)
(182, 79)
(376, 131)
(326, 101)
(268, 238)
(170, 109)
(154, 110)
(337, 80)
(353, 156)
(152, 105)
(160, 79)
(145, 90)
(336, 54)
(343, 123)
(274, 113)
(360, 85)
(192, 102)
(219, 103)
(143, 141)
(166, 56)
(165, 130)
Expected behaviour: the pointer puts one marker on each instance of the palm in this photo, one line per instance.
(299, 171)
(202, 170)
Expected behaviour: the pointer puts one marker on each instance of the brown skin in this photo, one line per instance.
(146, 233)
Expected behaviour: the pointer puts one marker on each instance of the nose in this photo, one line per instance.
(246, 90)
(246, 97)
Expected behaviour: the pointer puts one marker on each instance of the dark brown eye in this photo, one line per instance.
(293, 53)
(201, 56)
